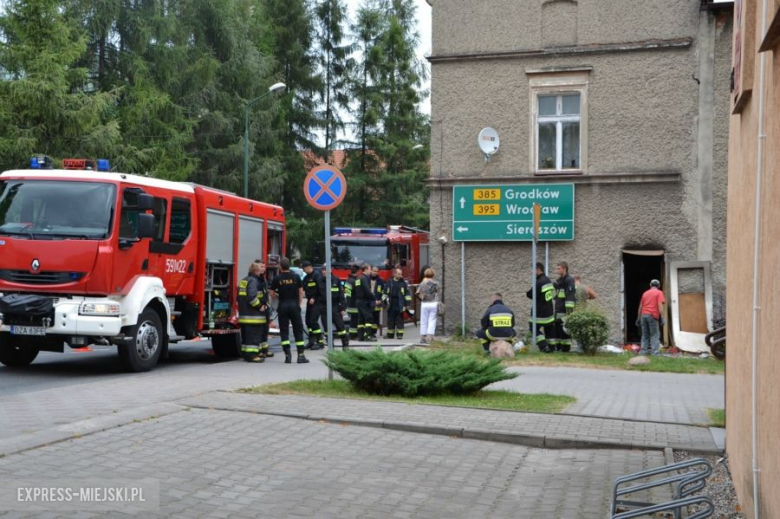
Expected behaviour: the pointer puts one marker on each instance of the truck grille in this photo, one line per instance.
(41, 278)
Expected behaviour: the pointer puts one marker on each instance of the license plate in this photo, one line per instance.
(28, 330)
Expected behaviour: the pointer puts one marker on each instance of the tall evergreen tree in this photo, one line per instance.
(46, 101)
(403, 126)
(291, 27)
(367, 111)
(335, 65)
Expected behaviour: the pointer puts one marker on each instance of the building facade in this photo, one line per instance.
(752, 382)
(627, 101)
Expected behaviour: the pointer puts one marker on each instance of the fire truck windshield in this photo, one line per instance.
(353, 252)
(53, 209)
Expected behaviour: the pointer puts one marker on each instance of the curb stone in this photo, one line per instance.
(547, 442)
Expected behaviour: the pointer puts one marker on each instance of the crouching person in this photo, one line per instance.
(498, 324)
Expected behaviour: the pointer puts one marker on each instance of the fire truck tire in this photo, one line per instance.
(226, 346)
(14, 354)
(144, 351)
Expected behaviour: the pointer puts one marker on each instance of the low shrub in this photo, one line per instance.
(416, 372)
(590, 328)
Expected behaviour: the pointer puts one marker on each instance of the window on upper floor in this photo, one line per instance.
(559, 132)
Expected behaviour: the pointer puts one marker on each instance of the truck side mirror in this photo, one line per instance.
(145, 225)
(145, 202)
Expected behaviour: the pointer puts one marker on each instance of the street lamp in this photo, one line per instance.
(277, 87)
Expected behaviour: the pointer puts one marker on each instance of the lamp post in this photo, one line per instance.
(277, 87)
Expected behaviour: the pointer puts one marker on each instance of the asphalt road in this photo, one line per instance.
(100, 364)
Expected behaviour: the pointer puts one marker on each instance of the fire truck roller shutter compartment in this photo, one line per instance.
(250, 243)
(219, 240)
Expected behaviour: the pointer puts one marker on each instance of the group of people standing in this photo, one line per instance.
(554, 301)
(362, 297)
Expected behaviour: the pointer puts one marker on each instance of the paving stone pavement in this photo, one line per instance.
(526, 428)
(219, 464)
(631, 395)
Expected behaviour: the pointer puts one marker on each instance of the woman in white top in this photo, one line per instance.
(428, 293)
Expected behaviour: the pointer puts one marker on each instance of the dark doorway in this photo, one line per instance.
(639, 268)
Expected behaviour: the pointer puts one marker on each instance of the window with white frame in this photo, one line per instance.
(558, 127)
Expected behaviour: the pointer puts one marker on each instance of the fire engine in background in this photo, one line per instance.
(406, 247)
(92, 257)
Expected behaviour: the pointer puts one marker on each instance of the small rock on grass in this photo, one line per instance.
(638, 361)
(502, 350)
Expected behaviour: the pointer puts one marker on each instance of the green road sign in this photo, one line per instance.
(506, 212)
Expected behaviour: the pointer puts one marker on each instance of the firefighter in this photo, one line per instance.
(545, 310)
(338, 306)
(498, 323)
(349, 295)
(288, 288)
(365, 301)
(378, 289)
(311, 289)
(399, 298)
(253, 314)
(565, 300)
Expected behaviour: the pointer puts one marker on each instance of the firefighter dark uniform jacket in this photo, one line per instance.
(362, 293)
(349, 291)
(499, 321)
(311, 286)
(545, 304)
(378, 289)
(566, 295)
(336, 292)
(252, 295)
(398, 295)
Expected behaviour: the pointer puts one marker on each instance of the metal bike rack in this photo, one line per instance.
(683, 485)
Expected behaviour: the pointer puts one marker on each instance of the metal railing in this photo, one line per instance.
(683, 485)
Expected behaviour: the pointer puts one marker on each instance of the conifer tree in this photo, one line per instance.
(47, 104)
(335, 64)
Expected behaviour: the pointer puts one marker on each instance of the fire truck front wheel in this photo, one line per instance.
(146, 344)
(13, 353)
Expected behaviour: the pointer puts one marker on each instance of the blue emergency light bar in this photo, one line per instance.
(103, 165)
(41, 162)
(348, 230)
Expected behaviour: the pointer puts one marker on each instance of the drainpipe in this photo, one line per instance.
(756, 267)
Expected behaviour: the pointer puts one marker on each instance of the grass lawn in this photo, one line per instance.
(506, 400)
(717, 417)
(600, 360)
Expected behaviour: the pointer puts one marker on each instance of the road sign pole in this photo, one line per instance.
(547, 258)
(329, 304)
(463, 287)
(325, 188)
(537, 218)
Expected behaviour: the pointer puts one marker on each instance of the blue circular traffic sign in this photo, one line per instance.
(325, 187)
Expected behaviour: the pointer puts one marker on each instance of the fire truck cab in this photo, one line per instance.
(404, 247)
(92, 257)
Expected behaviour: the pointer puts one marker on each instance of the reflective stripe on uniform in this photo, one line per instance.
(542, 320)
(250, 349)
(501, 320)
(252, 320)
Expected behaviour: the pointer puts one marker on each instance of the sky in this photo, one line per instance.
(424, 29)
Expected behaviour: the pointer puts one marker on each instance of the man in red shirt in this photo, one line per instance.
(651, 308)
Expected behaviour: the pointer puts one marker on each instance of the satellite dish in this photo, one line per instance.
(488, 142)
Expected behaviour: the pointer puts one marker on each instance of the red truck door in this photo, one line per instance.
(132, 257)
(173, 256)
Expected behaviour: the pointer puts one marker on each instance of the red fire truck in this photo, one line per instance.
(397, 245)
(92, 257)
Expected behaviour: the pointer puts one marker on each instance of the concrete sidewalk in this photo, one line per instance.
(529, 429)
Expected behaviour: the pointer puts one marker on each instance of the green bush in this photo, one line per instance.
(416, 372)
(590, 328)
